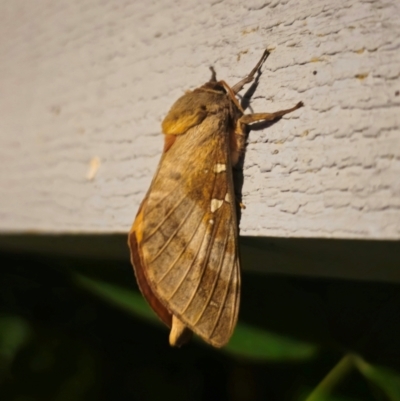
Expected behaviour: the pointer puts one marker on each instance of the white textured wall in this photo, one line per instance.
(87, 82)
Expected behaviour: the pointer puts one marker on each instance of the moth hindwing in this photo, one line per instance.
(184, 240)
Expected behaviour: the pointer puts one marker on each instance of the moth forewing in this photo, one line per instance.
(184, 241)
(189, 233)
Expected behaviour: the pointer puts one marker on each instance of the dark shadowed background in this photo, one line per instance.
(75, 327)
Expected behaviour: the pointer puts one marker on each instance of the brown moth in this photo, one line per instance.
(184, 240)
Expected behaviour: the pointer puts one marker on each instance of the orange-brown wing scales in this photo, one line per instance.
(140, 272)
(188, 245)
(213, 301)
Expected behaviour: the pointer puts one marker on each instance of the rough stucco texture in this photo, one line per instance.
(84, 86)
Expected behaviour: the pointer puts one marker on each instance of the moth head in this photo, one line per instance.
(214, 86)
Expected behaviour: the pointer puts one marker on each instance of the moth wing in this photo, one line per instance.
(185, 235)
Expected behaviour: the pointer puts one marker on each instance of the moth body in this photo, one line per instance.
(184, 240)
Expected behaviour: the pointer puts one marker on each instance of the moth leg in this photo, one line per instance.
(239, 86)
(180, 334)
(241, 204)
(252, 118)
(237, 142)
(238, 139)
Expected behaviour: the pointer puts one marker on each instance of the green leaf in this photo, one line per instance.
(324, 389)
(247, 341)
(14, 333)
(386, 379)
(252, 342)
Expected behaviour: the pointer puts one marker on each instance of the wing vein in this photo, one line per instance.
(166, 195)
(210, 242)
(237, 294)
(198, 250)
(173, 234)
(203, 269)
(181, 253)
(222, 304)
(214, 286)
(187, 271)
(172, 210)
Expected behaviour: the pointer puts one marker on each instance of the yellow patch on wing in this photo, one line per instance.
(137, 226)
(181, 117)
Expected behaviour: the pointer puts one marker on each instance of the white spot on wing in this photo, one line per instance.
(219, 168)
(227, 197)
(216, 204)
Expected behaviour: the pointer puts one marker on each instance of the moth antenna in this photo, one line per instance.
(213, 75)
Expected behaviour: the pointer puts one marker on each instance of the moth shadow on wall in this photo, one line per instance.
(238, 176)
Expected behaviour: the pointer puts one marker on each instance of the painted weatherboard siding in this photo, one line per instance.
(84, 86)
